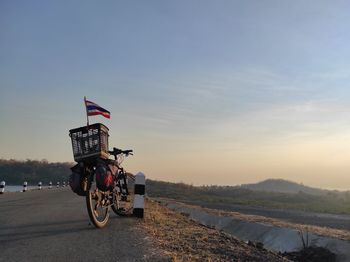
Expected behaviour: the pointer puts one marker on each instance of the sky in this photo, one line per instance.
(205, 92)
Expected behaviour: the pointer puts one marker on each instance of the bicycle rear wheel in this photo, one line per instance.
(123, 205)
(98, 211)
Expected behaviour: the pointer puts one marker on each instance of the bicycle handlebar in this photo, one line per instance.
(117, 151)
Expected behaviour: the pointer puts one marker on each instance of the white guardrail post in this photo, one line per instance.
(139, 201)
(50, 185)
(58, 184)
(2, 187)
(39, 185)
(25, 186)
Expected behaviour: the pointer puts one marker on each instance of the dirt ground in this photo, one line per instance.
(185, 240)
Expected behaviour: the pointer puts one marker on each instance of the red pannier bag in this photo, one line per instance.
(104, 177)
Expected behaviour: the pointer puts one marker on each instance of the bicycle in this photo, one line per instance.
(103, 181)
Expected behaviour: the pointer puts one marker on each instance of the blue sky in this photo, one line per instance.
(244, 89)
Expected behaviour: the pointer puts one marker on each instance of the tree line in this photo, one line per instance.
(15, 172)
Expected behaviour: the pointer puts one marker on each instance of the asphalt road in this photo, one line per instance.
(53, 225)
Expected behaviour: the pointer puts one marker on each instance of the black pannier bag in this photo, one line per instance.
(104, 177)
(77, 181)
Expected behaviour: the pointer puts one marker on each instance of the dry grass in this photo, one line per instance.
(184, 240)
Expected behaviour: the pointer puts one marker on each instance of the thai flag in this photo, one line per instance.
(93, 109)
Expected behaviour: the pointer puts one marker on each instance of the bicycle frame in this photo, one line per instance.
(98, 201)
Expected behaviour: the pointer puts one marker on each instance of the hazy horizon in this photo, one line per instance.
(194, 184)
(205, 92)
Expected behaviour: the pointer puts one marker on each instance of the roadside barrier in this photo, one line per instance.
(58, 184)
(64, 184)
(139, 201)
(25, 186)
(2, 187)
(39, 185)
(50, 185)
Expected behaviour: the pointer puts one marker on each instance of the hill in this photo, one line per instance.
(283, 186)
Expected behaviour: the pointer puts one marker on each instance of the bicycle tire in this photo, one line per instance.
(121, 207)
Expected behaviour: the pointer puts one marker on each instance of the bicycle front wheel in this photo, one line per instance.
(123, 204)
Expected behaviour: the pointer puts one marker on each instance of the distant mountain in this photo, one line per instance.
(283, 186)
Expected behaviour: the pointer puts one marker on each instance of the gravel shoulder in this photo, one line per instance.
(185, 240)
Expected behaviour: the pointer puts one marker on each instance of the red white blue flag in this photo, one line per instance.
(93, 109)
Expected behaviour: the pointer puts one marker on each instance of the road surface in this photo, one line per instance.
(53, 225)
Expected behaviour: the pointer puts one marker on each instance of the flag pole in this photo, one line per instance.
(87, 116)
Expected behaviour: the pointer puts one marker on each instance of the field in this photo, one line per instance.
(333, 202)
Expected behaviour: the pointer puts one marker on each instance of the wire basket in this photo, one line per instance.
(89, 142)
